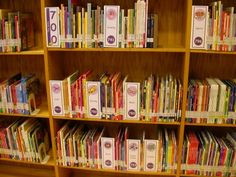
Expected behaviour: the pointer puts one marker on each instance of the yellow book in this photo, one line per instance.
(85, 30)
(170, 151)
(79, 28)
(62, 25)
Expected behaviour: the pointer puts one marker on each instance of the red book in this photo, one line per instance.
(193, 151)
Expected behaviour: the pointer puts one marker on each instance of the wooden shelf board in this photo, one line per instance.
(212, 52)
(43, 113)
(117, 121)
(120, 172)
(185, 175)
(164, 49)
(28, 52)
(49, 163)
(210, 125)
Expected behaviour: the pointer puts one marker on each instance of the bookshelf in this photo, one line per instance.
(173, 56)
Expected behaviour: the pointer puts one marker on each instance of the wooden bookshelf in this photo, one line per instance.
(43, 113)
(117, 121)
(173, 56)
(171, 49)
(210, 125)
(116, 172)
(49, 163)
(27, 52)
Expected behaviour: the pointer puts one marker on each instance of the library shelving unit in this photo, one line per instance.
(173, 56)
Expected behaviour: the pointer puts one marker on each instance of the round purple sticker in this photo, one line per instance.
(133, 165)
(198, 41)
(110, 39)
(93, 111)
(57, 109)
(150, 165)
(108, 162)
(132, 113)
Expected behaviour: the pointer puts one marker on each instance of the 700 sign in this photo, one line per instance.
(52, 26)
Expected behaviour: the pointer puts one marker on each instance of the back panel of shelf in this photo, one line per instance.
(226, 3)
(134, 129)
(212, 65)
(137, 66)
(28, 6)
(11, 64)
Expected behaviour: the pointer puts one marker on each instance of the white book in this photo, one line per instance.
(213, 95)
(56, 93)
(221, 95)
(132, 100)
(140, 23)
(108, 153)
(199, 27)
(93, 99)
(133, 154)
(111, 26)
(151, 150)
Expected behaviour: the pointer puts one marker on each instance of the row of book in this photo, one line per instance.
(89, 147)
(73, 26)
(20, 94)
(211, 101)
(209, 155)
(16, 31)
(24, 139)
(213, 27)
(112, 96)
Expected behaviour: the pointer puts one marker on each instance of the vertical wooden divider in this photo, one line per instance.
(47, 88)
(185, 83)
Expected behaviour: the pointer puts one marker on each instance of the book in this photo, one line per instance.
(57, 99)
(108, 155)
(111, 26)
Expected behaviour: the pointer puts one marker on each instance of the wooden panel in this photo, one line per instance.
(28, 6)
(137, 65)
(219, 131)
(109, 173)
(172, 17)
(212, 65)
(11, 64)
(226, 3)
(64, 172)
(25, 170)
